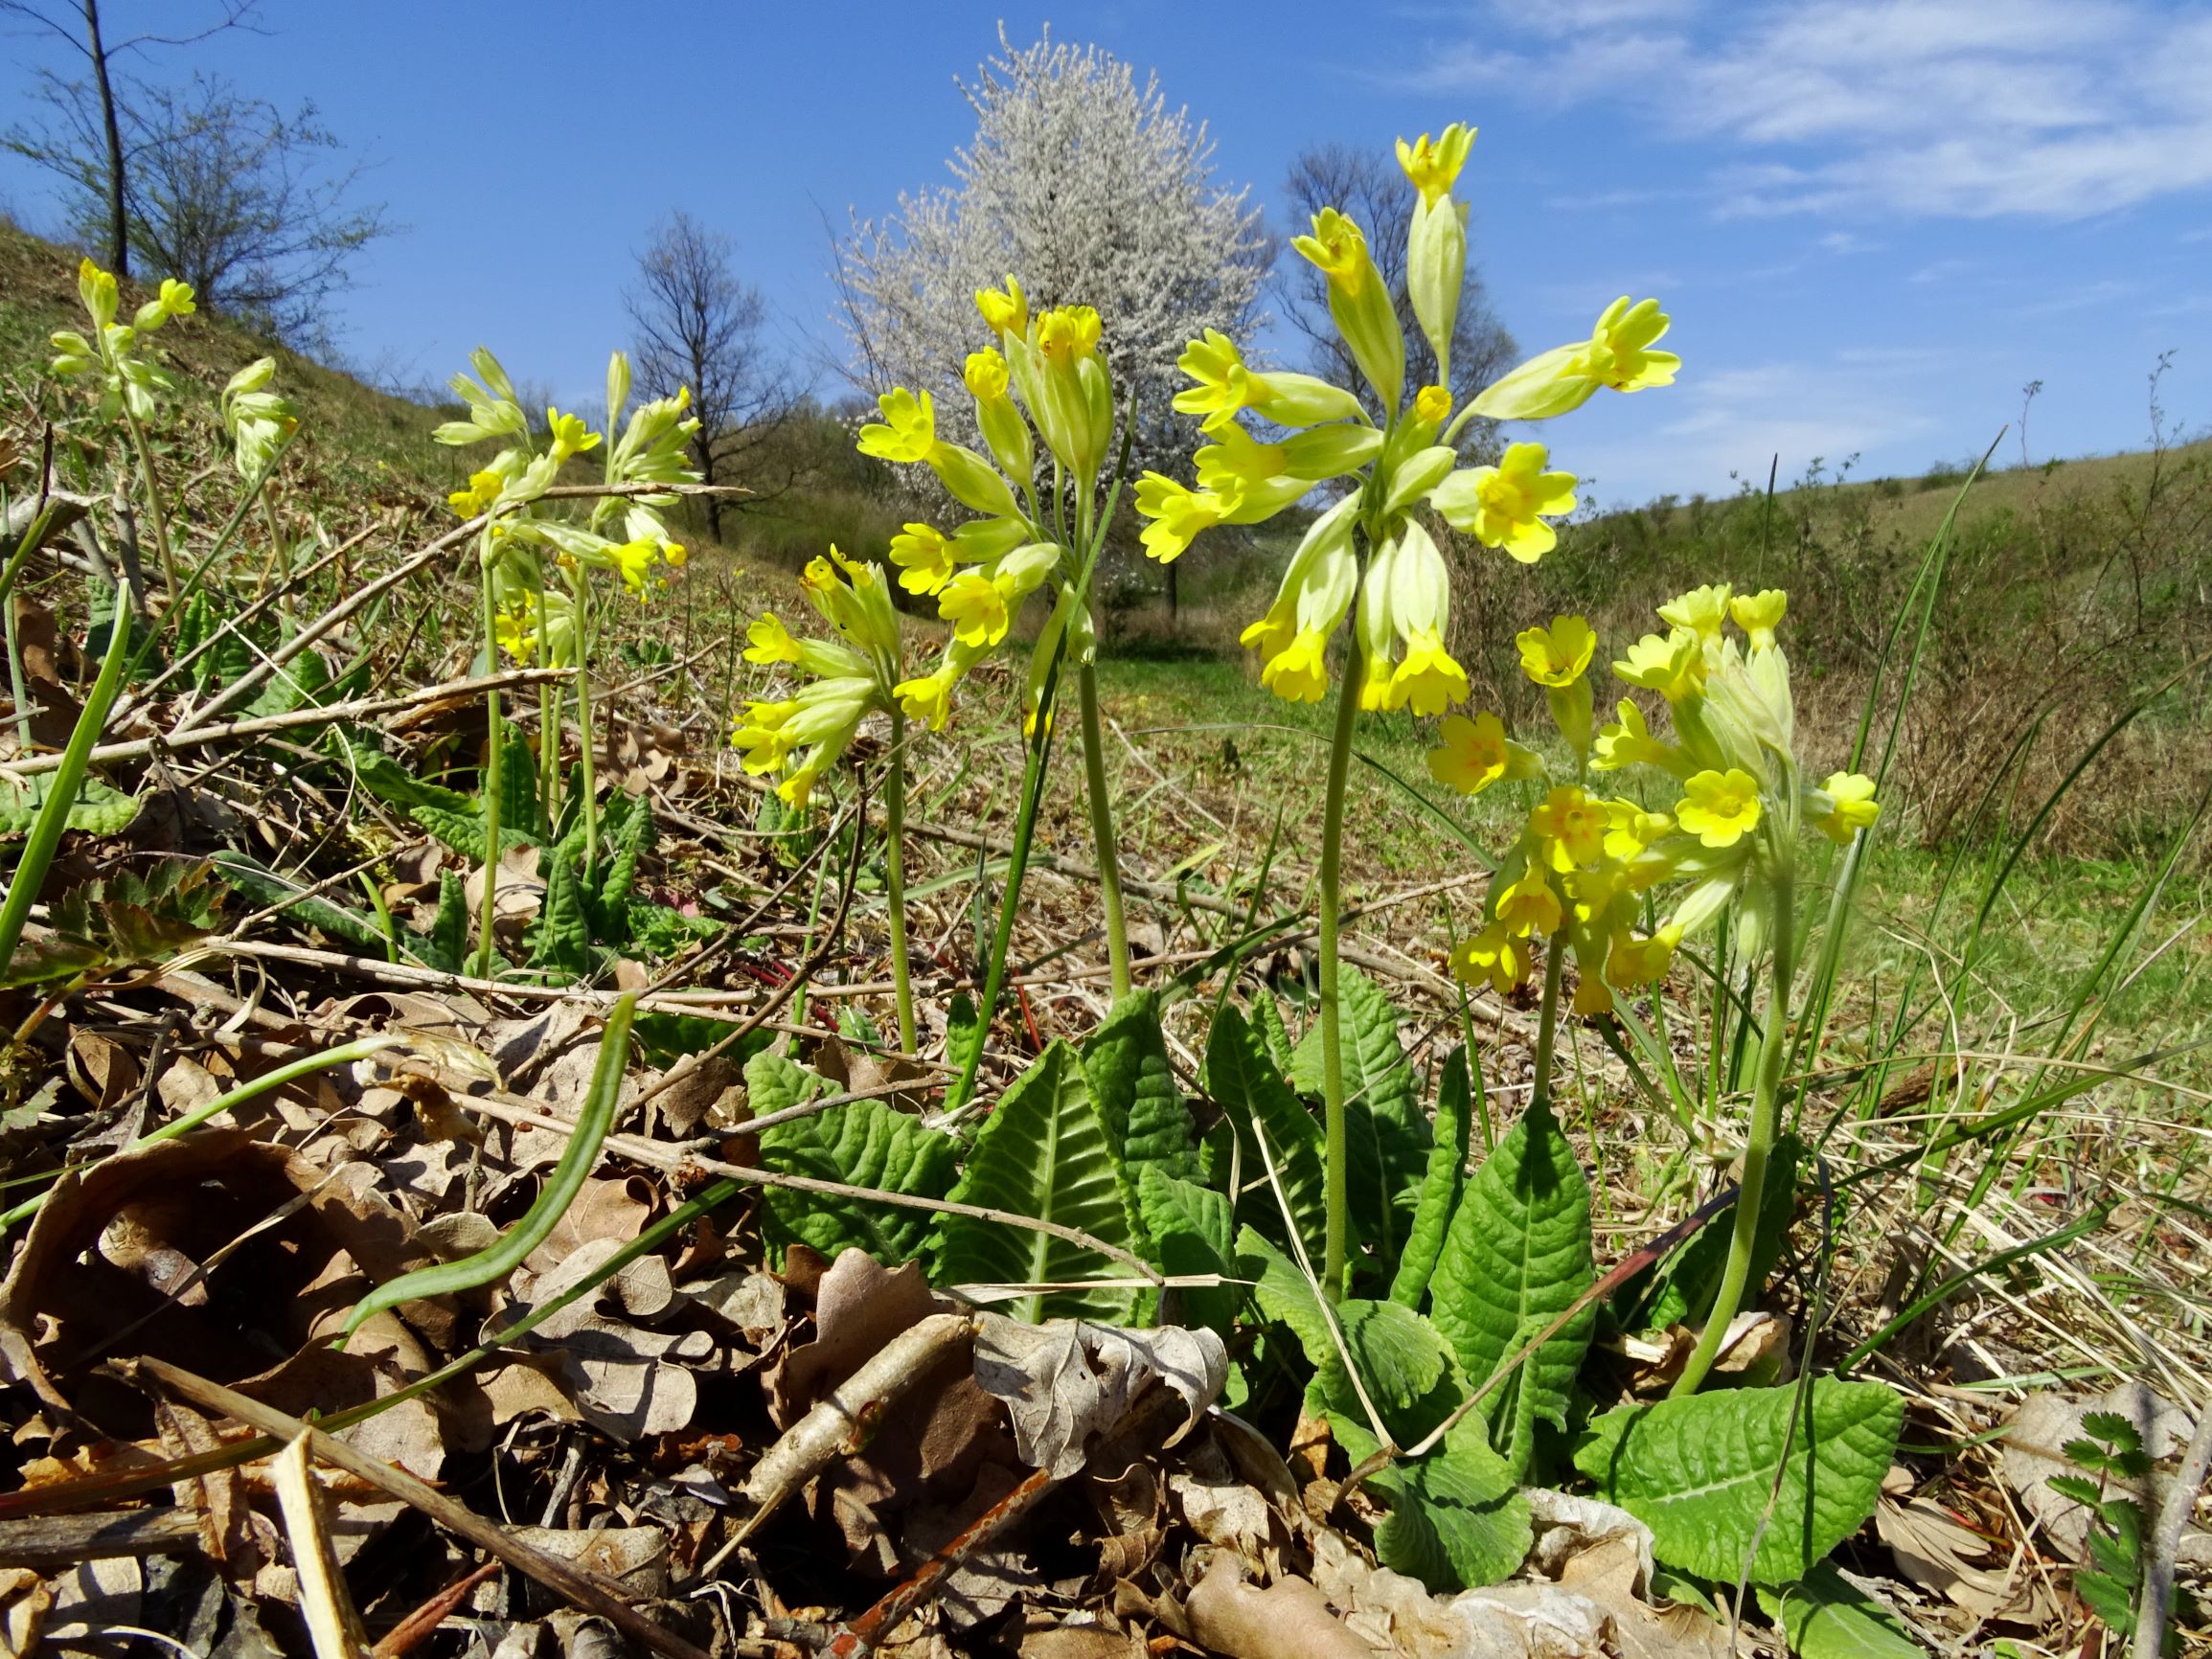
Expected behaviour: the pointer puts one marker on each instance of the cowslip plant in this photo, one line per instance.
(521, 534)
(1042, 392)
(130, 386)
(1369, 557)
(1587, 868)
(860, 673)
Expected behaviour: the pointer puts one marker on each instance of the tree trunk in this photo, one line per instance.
(1173, 611)
(118, 225)
(704, 450)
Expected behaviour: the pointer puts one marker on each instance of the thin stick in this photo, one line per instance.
(585, 1590)
(2166, 1542)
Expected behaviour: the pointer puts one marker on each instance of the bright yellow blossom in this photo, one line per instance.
(1006, 313)
(176, 298)
(1492, 957)
(924, 555)
(1178, 514)
(1224, 384)
(1620, 353)
(1852, 806)
(1571, 826)
(1630, 743)
(1558, 655)
(1428, 679)
(1431, 404)
(484, 489)
(1674, 667)
(1702, 611)
(1476, 753)
(1299, 672)
(1505, 506)
(1593, 998)
(986, 375)
(1337, 249)
(1637, 959)
(571, 434)
(1631, 829)
(927, 700)
(1718, 807)
(909, 432)
(1529, 905)
(976, 607)
(1759, 615)
(771, 641)
(1066, 334)
(1617, 355)
(1433, 167)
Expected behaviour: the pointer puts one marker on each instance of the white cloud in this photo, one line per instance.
(2051, 108)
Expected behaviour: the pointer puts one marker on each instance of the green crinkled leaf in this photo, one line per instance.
(1126, 1063)
(664, 1038)
(99, 809)
(621, 848)
(862, 1144)
(1267, 1021)
(963, 1028)
(1240, 1074)
(1189, 1228)
(1387, 1135)
(1440, 1186)
(1684, 1284)
(263, 888)
(449, 940)
(1697, 1472)
(1043, 1153)
(1515, 1257)
(655, 932)
(1457, 1518)
(520, 808)
(1825, 1616)
(560, 937)
(303, 681)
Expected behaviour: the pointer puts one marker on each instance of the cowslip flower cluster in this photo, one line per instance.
(1392, 460)
(128, 383)
(846, 679)
(1043, 381)
(624, 534)
(259, 420)
(1585, 867)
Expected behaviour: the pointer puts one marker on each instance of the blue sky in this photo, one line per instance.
(1874, 220)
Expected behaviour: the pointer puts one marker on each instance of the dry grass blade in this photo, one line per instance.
(334, 1625)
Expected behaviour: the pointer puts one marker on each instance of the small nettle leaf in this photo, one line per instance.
(1240, 1074)
(1440, 1186)
(1825, 1616)
(1043, 1153)
(2079, 1488)
(1699, 1472)
(862, 1144)
(1517, 1257)
(2114, 1429)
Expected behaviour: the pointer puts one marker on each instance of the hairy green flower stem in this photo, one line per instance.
(895, 876)
(490, 912)
(1765, 1124)
(152, 501)
(588, 740)
(1338, 1190)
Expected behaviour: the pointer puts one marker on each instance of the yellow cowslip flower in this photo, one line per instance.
(1224, 384)
(929, 698)
(1631, 829)
(175, 299)
(1759, 615)
(1179, 514)
(1674, 667)
(1493, 957)
(1428, 679)
(1617, 355)
(976, 607)
(1338, 249)
(760, 736)
(1272, 635)
(1702, 611)
(1558, 655)
(1638, 959)
(1505, 506)
(1299, 672)
(634, 562)
(924, 555)
(672, 554)
(483, 491)
(908, 432)
(572, 434)
(1432, 405)
(1433, 167)
(1631, 743)
(1006, 313)
(771, 641)
(1592, 998)
(1529, 905)
(1238, 459)
(1476, 753)
(1065, 334)
(98, 290)
(1719, 808)
(516, 628)
(986, 374)
(1850, 807)
(1570, 827)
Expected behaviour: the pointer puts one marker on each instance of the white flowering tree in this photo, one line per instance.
(1087, 187)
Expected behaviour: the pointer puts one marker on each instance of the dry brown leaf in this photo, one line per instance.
(2034, 1443)
(1943, 1555)
(1067, 1380)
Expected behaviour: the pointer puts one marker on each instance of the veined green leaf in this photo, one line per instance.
(1189, 1228)
(98, 808)
(1387, 1135)
(1440, 1186)
(1267, 1021)
(1240, 1074)
(1043, 1153)
(1126, 1064)
(1825, 1616)
(862, 1144)
(1699, 1471)
(1517, 1257)
(1458, 1519)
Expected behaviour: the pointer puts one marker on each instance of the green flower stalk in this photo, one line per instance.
(1370, 558)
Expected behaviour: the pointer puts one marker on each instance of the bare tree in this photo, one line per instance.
(98, 55)
(1369, 187)
(698, 326)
